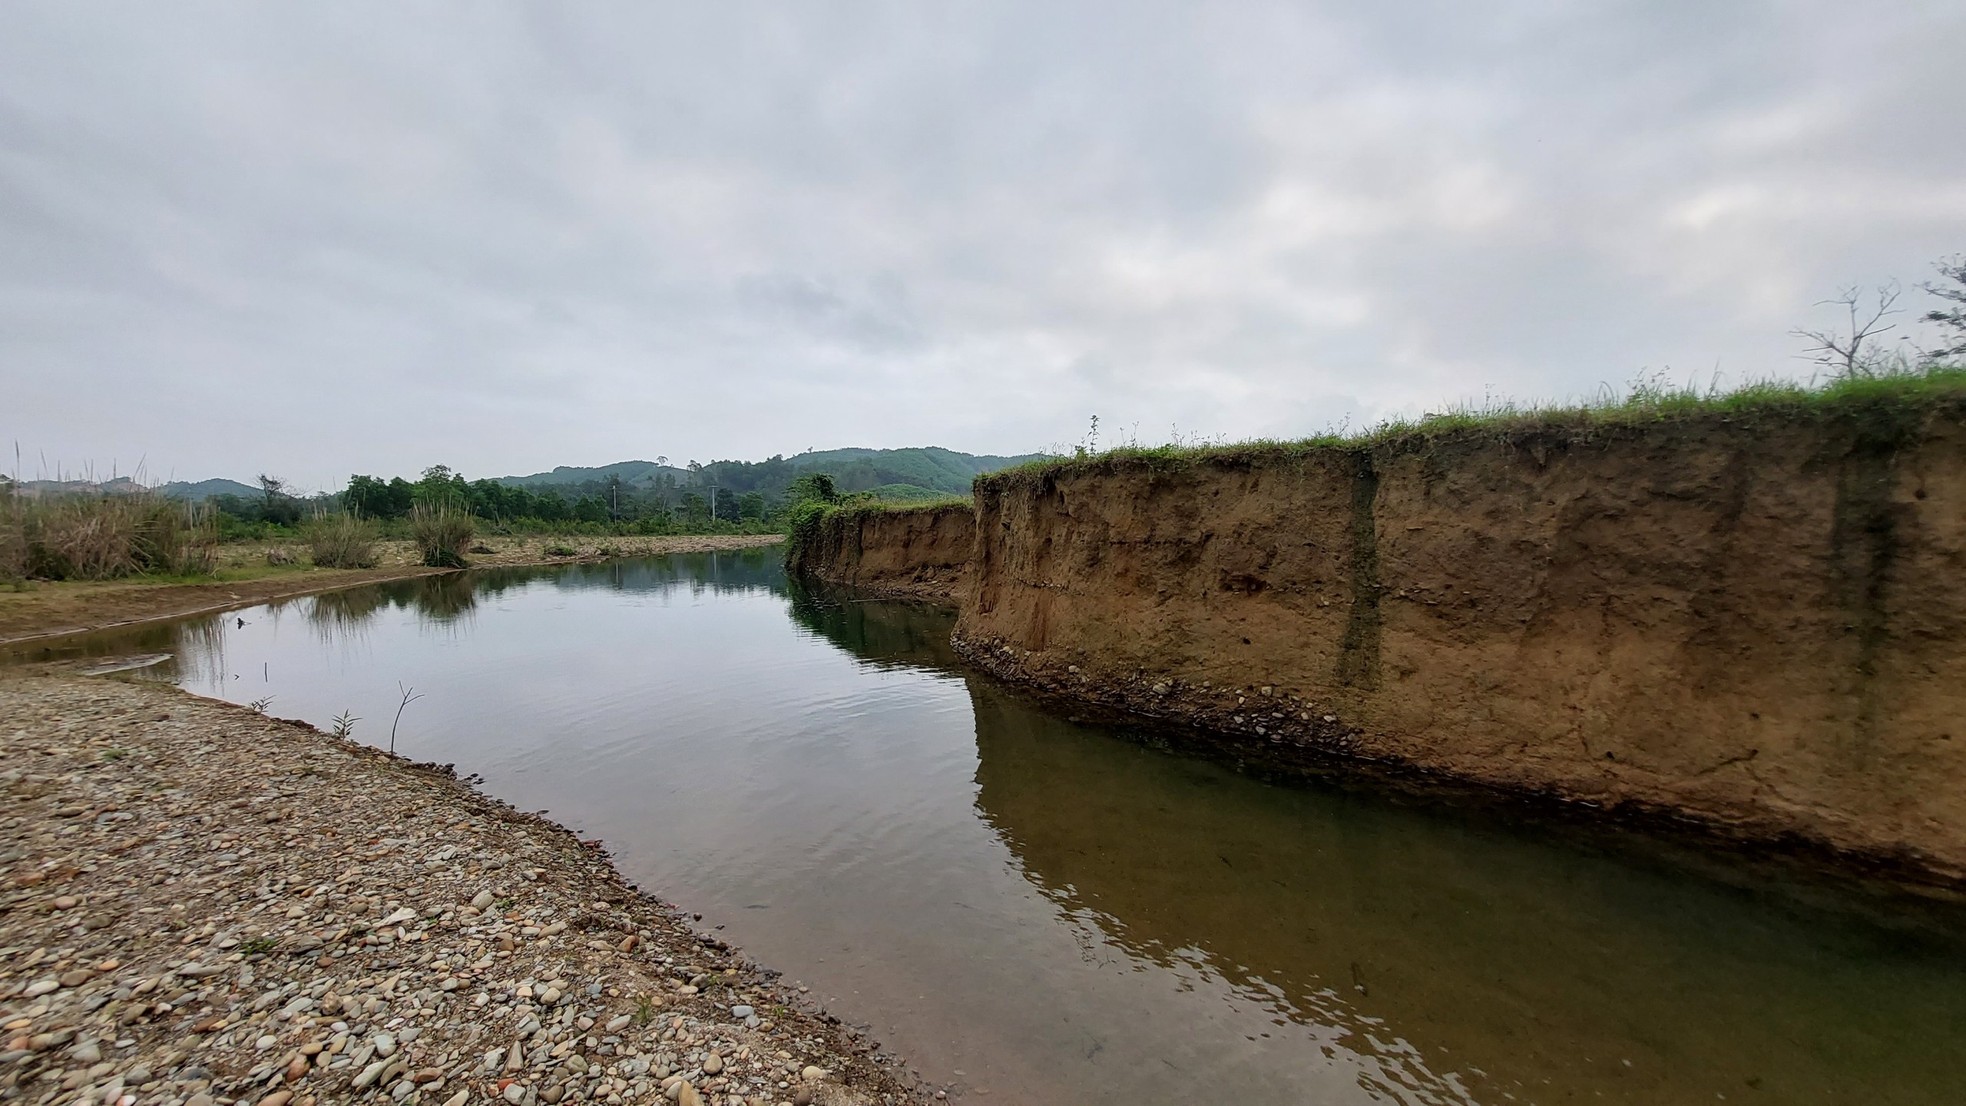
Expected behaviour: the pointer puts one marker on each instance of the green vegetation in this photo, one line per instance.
(628, 498)
(816, 498)
(929, 468)
(103, 537)
(1888, 388)
(341, 539)
(442, 532)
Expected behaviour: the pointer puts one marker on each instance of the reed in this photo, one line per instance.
(105, 537)
(340, 539)
(442, 533)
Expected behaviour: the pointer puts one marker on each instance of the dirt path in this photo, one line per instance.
(199, 904)
(54, 609)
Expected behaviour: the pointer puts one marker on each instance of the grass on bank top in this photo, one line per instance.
(1649, 402)
(893, 506)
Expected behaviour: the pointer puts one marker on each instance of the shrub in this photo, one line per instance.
(103, 537)
(176, 539)
(13, 547)
(341, 540)
(561, 550)
(442, 533)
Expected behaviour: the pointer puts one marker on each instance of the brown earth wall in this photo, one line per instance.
(1762, 632)
(917, 553)
(1758, 631)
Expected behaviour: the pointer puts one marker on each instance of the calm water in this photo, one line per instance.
(1035, 910)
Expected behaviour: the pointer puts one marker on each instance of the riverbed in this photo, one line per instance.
(1035, 909)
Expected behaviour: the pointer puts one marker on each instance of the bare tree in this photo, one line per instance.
(1951, 318)
(1855, 352)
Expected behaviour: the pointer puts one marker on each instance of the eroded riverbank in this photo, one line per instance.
(1746, 618)
(202, 904)
(1031, 908)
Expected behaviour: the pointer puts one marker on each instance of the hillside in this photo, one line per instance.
(917, 473)
(922, 473)
(630, 472)
(123, 485)
(206, 489)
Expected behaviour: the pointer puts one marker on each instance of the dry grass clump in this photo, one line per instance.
(105, 537)
(13, 547)
(340, 539)
(442, 533)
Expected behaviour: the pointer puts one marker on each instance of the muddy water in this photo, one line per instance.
(1038, 911)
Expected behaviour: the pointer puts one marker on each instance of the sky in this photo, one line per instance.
(313, 240)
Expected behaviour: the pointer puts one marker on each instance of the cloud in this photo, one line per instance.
(370, 238)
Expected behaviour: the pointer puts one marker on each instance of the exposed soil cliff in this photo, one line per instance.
(1755, 624)
(920, 552)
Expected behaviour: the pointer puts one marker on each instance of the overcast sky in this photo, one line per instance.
(333, 238)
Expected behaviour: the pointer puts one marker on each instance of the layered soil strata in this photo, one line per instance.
(908, 553)
(1757, 626)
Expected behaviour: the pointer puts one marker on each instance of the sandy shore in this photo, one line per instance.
(46, 609)
(201, 905)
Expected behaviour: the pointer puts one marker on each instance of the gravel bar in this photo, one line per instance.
(202, 905)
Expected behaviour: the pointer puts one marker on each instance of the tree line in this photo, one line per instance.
(660, 506)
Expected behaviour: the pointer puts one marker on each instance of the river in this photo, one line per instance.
(1032, 909)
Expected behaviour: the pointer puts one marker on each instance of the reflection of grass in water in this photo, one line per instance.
(197, 648)
(445, 598)
(340, 614)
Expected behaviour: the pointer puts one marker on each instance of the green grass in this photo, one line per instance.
(231, 575)
(876, 506)
(1646, 405)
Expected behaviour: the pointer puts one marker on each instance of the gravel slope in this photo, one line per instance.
(202, 905)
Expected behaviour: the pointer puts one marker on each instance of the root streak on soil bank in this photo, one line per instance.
(199, 904)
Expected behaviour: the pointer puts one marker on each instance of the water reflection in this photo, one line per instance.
(1442, 962)
(885, 633)
(1061, 911)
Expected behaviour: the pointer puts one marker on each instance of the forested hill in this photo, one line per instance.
(917, 473)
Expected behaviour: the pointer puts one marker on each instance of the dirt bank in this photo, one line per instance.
(1754, 624)
(902, 552)
(200, 904)
(45, 609)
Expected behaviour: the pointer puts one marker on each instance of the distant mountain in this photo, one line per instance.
(206, 489)
(631, 472)
(931, 467)
(919, 473)
(926, 472)
(122, 485)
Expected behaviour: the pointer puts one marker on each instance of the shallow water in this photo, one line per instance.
(1036, 910)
